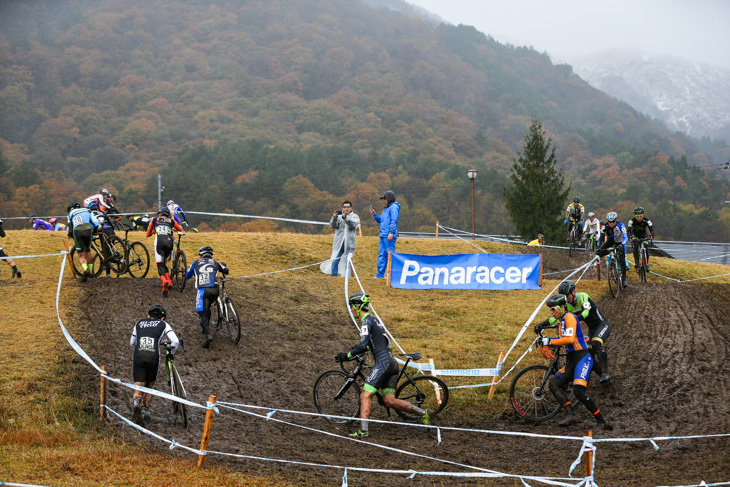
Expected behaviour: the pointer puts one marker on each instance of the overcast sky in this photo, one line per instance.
(697, 30)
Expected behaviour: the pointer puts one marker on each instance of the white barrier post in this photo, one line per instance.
(102, 394)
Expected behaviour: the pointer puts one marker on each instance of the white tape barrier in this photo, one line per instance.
(20, 485)
(492, 237)
(236, 215)
(285, 270)
(31, 256)
(86, 357)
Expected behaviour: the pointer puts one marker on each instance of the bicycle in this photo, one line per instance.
(337, 392)
(106, 251)
(643, 266)
(573, 239)
(179, 264)
(591, 243)
(225, 310)
(137, 257)
(529, 394)
(173, 380)
(613, 275)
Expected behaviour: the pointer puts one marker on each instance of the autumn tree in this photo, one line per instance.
(536, 193)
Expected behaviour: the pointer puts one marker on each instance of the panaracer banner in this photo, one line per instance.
(465, 271)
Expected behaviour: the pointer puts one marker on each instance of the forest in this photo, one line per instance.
(287, 108)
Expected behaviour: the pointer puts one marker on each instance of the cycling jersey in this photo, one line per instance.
(81, 225)
(205, 271)
(592, 227)
(145, 339)
(177, 213)
(374, 338)
(580, 362)
(44, 225)
(162, 227)
(617, 234)
(640, 229)
(96, 200)
(585, 310)
(574, 212)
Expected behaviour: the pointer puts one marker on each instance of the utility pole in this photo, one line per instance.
(159, 191)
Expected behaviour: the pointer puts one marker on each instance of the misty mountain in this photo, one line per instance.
(688, 97)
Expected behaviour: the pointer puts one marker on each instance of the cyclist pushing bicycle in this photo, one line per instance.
(162, 227)
(640, 230)
(146, 338)
(384, 374)
(578, 366)
(205, 270)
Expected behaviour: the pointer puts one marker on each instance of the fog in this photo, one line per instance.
(697, 30)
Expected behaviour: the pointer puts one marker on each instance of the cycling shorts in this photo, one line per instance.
(82, 237)
(579, 368)
(383, 376)
(205, 297)
(2, 253)
(146, 371)
(163, 248)
(600, 332)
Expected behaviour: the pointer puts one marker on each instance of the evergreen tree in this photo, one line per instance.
(536, 196)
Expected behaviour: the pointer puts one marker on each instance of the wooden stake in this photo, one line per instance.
(102, 393)
(206, 431)
(541, 259)
(68, 256)
(387, 269)
(433, 373)
(598, 270)
(493, 388)
(437, 230)
(588, 456)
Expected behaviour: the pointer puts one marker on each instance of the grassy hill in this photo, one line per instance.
(294, 323)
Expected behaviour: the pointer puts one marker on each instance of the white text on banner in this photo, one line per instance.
(466, 271)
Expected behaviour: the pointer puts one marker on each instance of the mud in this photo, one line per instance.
(668, 356)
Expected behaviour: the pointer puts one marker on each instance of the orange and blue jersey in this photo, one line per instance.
(580, 362)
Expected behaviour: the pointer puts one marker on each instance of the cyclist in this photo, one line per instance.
(538, 242)
(100, 199)
(146, 338)
(11, 262)
(205, 270)
(592, 226)
(578, 366)
(583, 307)
(38, 223)
(139, 222)
(57, 226)
(384, 374)
(640, 229)
(177, 213)
(615, 233)
(162, 227)
(81, 225)
(574, 216)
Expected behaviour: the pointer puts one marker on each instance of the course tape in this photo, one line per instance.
(285, 270)
(235, 215)
(32, 256)
(492, 237)
(20, 485)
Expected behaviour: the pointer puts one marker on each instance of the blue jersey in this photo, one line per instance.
(205, 271)
(177, 213)
(81, 216)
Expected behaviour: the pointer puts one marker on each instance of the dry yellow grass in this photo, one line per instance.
(48, 428)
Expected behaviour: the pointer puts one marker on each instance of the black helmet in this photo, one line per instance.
(556, 300)
(157, 312)
(32, 215)
(206, 251)
(566, 287)
(359, 299)
(639, 210)
(163, 211)
(576, 200)
(72, 206)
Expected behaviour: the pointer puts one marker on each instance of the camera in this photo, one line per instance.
(339, 212)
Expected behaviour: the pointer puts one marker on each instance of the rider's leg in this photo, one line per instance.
(622, 262)
(637, 261)
(366, 405)
(600, 358)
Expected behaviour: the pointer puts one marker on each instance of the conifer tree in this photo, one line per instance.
(536, 197)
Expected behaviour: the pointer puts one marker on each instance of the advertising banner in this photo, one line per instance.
(465, 271)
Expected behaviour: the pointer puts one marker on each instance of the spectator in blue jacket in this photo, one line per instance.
(388, 230)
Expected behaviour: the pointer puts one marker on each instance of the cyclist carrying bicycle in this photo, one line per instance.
(11, 262)
(583, 307)
(162, 227)
(146, 338)
(574, 216)
(592, 226)
(177, 213)
(384, 374)
(640, 229)
(578, 366)
(205, 270)
(81, 226)
(100, 200)
(616, 236)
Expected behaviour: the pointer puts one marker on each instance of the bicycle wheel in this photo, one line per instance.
(614, 279)
(138, 260)
(179, 391)
(571, 245)
(328, 387)
(215, 315)
(96, 262)
(180, 267)
(233, 321)
(526, 397)
(117, 255)
(421, 391)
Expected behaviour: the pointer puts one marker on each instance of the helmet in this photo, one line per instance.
(591, 214)
(157, 312)
(611, 216)
(556, 300)
(576, 200)
(540, 235)
(104, 192)
(639, 210)
(32, 215)
(359, 299)
(72, 206)
(566, 287)
(163, 211)
(206, 251)
(170, 203)
(52, 220)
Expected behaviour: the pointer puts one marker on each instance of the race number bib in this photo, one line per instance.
(147, 344)
(163, 230)
(203, 280)
(78, 221)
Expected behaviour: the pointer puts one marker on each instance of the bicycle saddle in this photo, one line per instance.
(412, 356)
